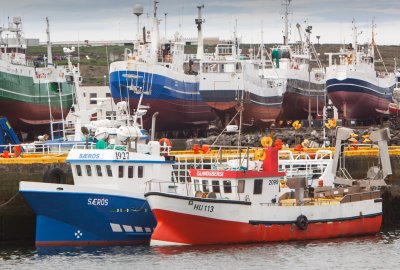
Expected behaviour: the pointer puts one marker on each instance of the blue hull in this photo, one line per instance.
(77, 219)
(178, 102)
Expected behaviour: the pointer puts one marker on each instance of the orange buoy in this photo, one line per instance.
(298, 148)
(205, 148)
(196, 148)
(320, 183)
(5, 154)
(278, 144)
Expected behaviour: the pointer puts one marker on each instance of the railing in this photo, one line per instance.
(48, 148)
(195, 190)
(304, 164)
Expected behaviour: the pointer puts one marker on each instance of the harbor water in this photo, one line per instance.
(373, 252)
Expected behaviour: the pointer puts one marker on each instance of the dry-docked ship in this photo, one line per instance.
(31, 95)
(167, 78)
(305, 86)
(353, 84)
(279, 86)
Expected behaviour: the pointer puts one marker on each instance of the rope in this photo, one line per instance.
(7, 202)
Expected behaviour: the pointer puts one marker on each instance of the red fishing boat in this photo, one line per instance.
(241, 206)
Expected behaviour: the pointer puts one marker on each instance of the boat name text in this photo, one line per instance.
(210, 173)
(89, 156)
(203, 208)
(97, 201)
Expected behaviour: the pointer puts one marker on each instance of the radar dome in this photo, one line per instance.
(138, 9)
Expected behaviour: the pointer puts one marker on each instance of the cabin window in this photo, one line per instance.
(205, 185)
(120, 171)
(93, 97)
(215, 186)
(140, 171)
(130, 171)
(89, 170)
(227, 186)
(258, 186)
(196, 185)
(109, 171)
(240, 186)
(99, 172)
(78, 170)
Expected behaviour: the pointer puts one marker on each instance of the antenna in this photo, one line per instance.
(199, 21)
(49, 53)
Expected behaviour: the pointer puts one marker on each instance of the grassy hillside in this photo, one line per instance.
(94, 62)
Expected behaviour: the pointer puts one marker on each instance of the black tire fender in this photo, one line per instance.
(302, 222)
(55, 175)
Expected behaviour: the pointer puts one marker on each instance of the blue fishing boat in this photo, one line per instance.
(105, 205)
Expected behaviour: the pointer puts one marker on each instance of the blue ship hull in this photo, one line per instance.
(178, 102)
(77, 219)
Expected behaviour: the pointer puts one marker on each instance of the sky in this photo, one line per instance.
(73, 20)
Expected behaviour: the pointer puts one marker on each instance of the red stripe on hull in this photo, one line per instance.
(89, 243)
(194, 230)
(223, 106)
(358, 105)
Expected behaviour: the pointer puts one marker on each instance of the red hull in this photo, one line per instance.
(175, 114)
(194, 230)
(260, 114)
(296, 106)
(394, 109)
(29, 117)
(356, 105)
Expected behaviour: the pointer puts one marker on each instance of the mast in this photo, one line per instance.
(236, 41)
(262, 50)
(286, 13)
(49, 53)
(155, 35)
(355, 44)
(373, 39)
(199, 21)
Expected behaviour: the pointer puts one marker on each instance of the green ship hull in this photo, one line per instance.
(30, 104)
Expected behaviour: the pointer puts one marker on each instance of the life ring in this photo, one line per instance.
(266, 141)
(259, 154)
(55, 175)
(302, 222)
(165, 144)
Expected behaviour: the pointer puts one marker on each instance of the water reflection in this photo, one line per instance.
(342, 253)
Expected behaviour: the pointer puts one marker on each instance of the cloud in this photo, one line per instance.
(110, 20)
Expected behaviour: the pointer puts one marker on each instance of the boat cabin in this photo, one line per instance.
(119, 168)
(261, 184)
